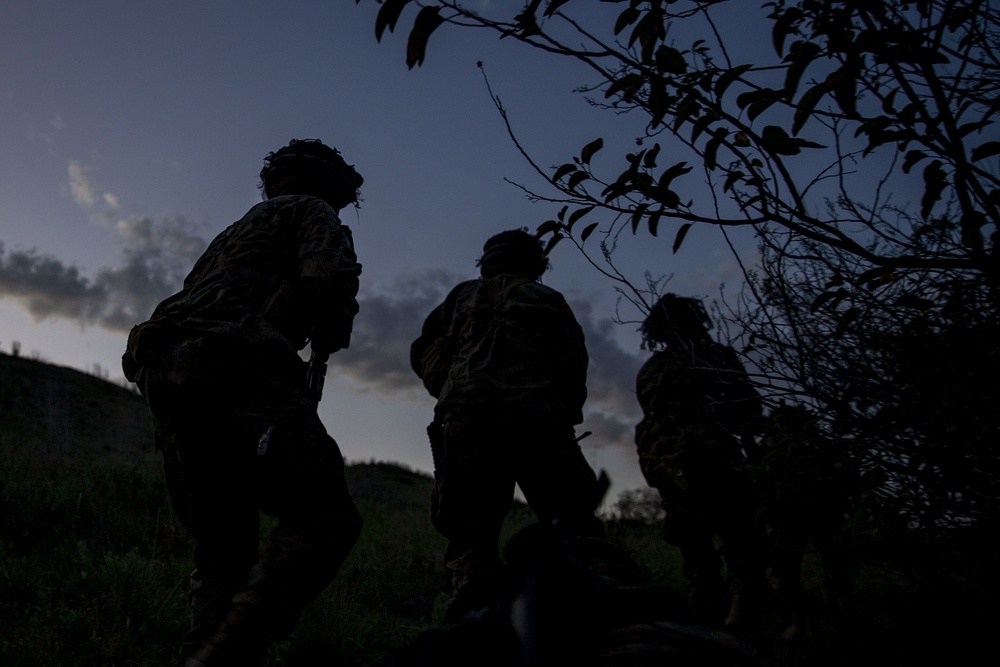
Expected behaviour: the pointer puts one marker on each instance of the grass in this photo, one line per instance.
(94, 565)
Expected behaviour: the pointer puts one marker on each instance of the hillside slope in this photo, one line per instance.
(62, 409)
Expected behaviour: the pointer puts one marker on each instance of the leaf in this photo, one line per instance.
(387, 17)
(784, 25)
(667, 197)
(548, 227)
(588, 151)
(587, 231)
(777, 141)
(887, 102)
(969, 128)
(672, 172)
(670, 60)
(637, 215)
(799, 56)
(745, 99)
(912, 157)
(577, 214)
(649, 160)
(728, 77)
(654, 224)
(687, 107)
(567, 168)
(626, 85)
(844, 84)
(760, 106)
(731, 180)
(712, 147)
(576, 179)
(935, 181)
(701, 125)
(803, 143)
(426, 22)
(626, 18)
(988, 149)
(807, 103)
(681, 233)
(553, 6)
(654, 221)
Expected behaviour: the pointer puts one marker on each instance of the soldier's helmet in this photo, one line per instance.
(675, 318)
(310, 167)
(514, 251)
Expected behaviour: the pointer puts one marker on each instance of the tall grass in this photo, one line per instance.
(94, 567)
(91, 563)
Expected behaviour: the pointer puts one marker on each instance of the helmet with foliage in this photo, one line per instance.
(675, 318)
(514, 251)
(310, 167)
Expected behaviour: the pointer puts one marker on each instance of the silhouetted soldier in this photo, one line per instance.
(808, 489)
(219, 367)
(697, 401)
(506, 359)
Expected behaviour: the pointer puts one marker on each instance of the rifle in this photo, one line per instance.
(316, 374)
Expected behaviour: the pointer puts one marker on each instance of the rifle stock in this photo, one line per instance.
(316, 374)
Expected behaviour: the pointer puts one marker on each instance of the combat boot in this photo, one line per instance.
(240, 640)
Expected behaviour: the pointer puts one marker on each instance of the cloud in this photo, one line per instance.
(84, 192)
(608, 430)
(81, 187)
(612, 371)
(389, 321)
(155, 257)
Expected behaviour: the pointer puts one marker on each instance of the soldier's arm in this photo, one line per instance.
(430, 333)
(431, 353)
(569, 354)
(328, 277)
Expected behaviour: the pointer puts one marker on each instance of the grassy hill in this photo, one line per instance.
(63, 410)
(94, 566)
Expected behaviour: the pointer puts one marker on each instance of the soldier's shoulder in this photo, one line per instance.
(294, 205)
(463, 291)
(661, 361)
(537, 291)
(466, 286)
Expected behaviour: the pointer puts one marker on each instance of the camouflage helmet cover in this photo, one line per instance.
(314, 168)
(674, 317)
(513, 251)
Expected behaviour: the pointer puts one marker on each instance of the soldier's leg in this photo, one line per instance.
(299, 480)
(727, 500)
(207, 474)
(553, 474)
(224, 521)
(318, 522)
(472, 495)
(693, 535)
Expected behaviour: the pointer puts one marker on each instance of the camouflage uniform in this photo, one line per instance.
(696, 399)
(218, 365)
(506, 359)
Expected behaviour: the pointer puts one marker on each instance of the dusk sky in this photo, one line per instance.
(133, 132)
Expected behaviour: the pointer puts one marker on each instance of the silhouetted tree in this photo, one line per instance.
(862, 152)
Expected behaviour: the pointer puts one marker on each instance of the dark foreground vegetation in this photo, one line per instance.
(93, 565)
